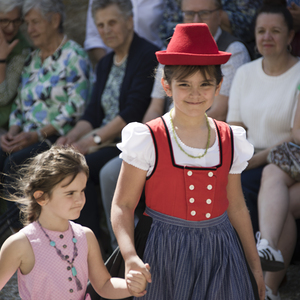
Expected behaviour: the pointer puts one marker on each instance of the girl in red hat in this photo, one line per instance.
(196, 232)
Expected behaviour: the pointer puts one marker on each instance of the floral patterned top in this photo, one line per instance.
(111, 93)
(54, 91)
(241, 14)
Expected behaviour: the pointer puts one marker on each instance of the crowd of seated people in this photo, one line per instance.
(51, 95)
(55, 85)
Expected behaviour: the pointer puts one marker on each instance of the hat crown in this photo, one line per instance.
(194, 39)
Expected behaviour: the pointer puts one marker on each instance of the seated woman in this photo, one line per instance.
(263, 95)
(55, 85)
(14, 49)
(121, 95)
(278, 208)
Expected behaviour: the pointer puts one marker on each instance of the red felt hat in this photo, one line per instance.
(192, 44)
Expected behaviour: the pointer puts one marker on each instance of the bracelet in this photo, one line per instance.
(2, 61)
(40, 135)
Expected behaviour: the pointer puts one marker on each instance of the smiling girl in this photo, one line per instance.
(190, 165)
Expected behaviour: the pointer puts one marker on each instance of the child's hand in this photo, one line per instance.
(137, 283)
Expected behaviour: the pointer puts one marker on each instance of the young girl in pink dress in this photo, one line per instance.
(196, 232)
(55, 257)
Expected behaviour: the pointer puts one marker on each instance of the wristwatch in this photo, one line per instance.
(97, 139)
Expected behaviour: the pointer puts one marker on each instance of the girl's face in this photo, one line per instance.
(67, 200)
(272, 35)
(193, 95)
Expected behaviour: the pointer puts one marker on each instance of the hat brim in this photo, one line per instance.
(190, 59)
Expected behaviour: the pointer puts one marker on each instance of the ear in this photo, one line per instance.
(130, 22)
(291, 36)
(166, 87)
(55, 20)
(40, 198)
(218, 88)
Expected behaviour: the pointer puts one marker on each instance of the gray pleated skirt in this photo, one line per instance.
(196, 260)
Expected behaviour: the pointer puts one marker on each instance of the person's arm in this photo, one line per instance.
(127, 194)
(81, 128)
(13, 255)
(107, 133)
(102, 282)
(219, 108)
(155, 109)
(5, 50)
(295, 12)
(240, 220)
(23, 139)
(296, 125)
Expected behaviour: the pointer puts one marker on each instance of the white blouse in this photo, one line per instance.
(138, 149)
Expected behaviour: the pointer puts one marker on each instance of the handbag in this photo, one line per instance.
(287, 157)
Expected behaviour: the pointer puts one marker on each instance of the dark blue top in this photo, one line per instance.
(135, 93)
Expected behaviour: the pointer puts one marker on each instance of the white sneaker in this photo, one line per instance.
(271, 259)
(270, 296)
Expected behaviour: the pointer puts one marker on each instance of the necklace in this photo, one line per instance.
(208, 140)
(65, 257)
(118, 64)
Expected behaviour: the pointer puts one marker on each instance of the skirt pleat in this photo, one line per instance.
(195, 260)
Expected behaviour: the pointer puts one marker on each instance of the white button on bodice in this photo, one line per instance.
(208, 201)
(193, 213)
(207, 215)
(209, 187)
(190, 173)
(210, 174)
(191, 187)
(192, 200)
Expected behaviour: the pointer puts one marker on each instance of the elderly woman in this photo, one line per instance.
(121, 94)
(14, 49)
(55, 85)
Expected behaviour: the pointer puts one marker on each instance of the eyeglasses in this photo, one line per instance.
(5, 22)
(204, 15)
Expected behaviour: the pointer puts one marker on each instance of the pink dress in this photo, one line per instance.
(51, 277)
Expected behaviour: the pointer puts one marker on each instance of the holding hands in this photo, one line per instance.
(137, 276)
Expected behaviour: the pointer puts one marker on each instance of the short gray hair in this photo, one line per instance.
(46, 7)
(8, 5)
(125, 6)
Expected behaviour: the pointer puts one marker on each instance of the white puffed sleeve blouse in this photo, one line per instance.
(138, 149)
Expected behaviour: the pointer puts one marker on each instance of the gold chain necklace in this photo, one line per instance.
(208, 140)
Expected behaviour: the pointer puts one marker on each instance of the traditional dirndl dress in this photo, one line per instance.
(192, 248)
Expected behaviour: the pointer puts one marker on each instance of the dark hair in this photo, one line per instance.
(42, 173)
(181, 72)
(277, 7)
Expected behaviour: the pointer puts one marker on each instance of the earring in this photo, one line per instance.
(289, 48)
(256, 50)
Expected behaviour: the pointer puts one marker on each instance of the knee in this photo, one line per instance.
(272, 173)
